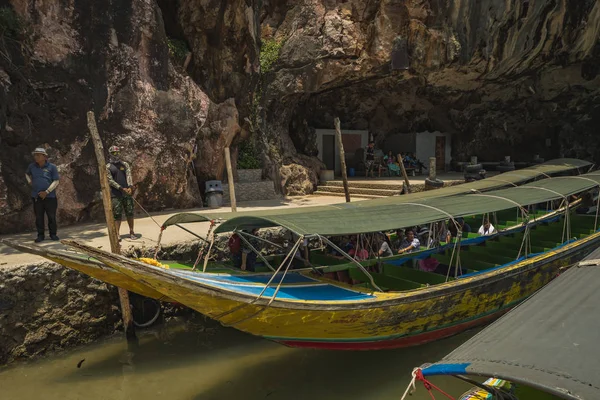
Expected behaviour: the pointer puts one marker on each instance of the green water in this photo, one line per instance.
(178, 362)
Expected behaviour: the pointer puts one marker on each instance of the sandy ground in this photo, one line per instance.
(146, 228)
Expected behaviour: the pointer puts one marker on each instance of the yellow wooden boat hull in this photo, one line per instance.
(383, 320)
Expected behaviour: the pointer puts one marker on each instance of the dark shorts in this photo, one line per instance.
(120, 204)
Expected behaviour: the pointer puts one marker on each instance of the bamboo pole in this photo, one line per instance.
(110, 222)
(230, 179)
(338, 135)
(406, 181)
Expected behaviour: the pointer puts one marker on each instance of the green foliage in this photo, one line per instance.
(178, 49)
(248, 156)
(269, 53)
(11, 24)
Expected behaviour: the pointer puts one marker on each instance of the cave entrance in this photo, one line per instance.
(329, 152)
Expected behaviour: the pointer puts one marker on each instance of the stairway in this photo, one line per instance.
(250, 187)
(364, 190)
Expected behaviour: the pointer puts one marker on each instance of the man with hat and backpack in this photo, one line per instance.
(121, 189)
(43, 178)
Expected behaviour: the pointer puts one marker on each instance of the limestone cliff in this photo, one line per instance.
(505, 77)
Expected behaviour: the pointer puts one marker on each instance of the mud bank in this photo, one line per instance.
(45, 307)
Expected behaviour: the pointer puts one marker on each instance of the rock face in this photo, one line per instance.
(506, 78)
(111, 58)
(47, 307)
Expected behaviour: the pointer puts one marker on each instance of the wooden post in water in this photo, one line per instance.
(404, 174)
(230, 181)
(338, 135)
(113, 235)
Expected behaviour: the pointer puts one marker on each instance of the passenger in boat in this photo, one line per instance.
(399, 239)
(410, 244)
(440, 233)
(589, 203)
(464, 227)
(424, 238)
(487, 229)
(249, 255)
(385, 249)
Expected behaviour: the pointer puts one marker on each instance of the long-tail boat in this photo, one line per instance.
(396, 305)
(88, 265)
(544, 349)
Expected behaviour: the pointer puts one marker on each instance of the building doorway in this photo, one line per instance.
(440, 153)
(329, 151)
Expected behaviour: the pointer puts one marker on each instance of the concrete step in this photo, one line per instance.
(359, 190)
(359, 196)
(251, 191)
(366, 185)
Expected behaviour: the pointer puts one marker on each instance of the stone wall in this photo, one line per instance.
(47, 307)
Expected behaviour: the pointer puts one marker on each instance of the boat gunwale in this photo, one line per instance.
(378, 300)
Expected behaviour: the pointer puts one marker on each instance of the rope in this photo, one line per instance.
(203, 246)
(289, 263)
(158, 243)
(458, 236)
(360, 266)
(256, 251)
(266, 286)
(147, 213)
(417, 375)
(212, 241)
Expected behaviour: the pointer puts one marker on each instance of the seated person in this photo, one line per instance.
(385, 249)
(399, 239)
(410, 244)
(462, 225)
(487, 228)
(359, 254)
(249, 255)
(389, 162)
(424, 238)
(430, 264)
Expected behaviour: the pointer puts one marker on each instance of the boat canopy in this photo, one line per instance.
(512, 178)
(550, 342)
(394, 212)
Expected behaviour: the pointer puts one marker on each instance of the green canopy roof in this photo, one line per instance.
(369, 216)
(390, 213)
(552, 167)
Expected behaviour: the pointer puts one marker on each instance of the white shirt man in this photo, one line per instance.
(487, 229)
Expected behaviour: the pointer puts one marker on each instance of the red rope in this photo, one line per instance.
(428, 385)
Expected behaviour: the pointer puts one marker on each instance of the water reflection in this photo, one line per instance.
(176, 362)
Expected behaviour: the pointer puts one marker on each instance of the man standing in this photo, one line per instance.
(43, 178)
(121, 190)
(370, 160)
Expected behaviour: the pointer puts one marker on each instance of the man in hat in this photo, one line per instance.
(121, 189)
(43, 178)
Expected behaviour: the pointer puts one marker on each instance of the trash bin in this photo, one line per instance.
(214, 194)
(351, 172)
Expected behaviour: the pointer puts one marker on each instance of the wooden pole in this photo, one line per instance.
(338, 135)
(432, 169)
(230, 181)
(406, 181)
(113, 235)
